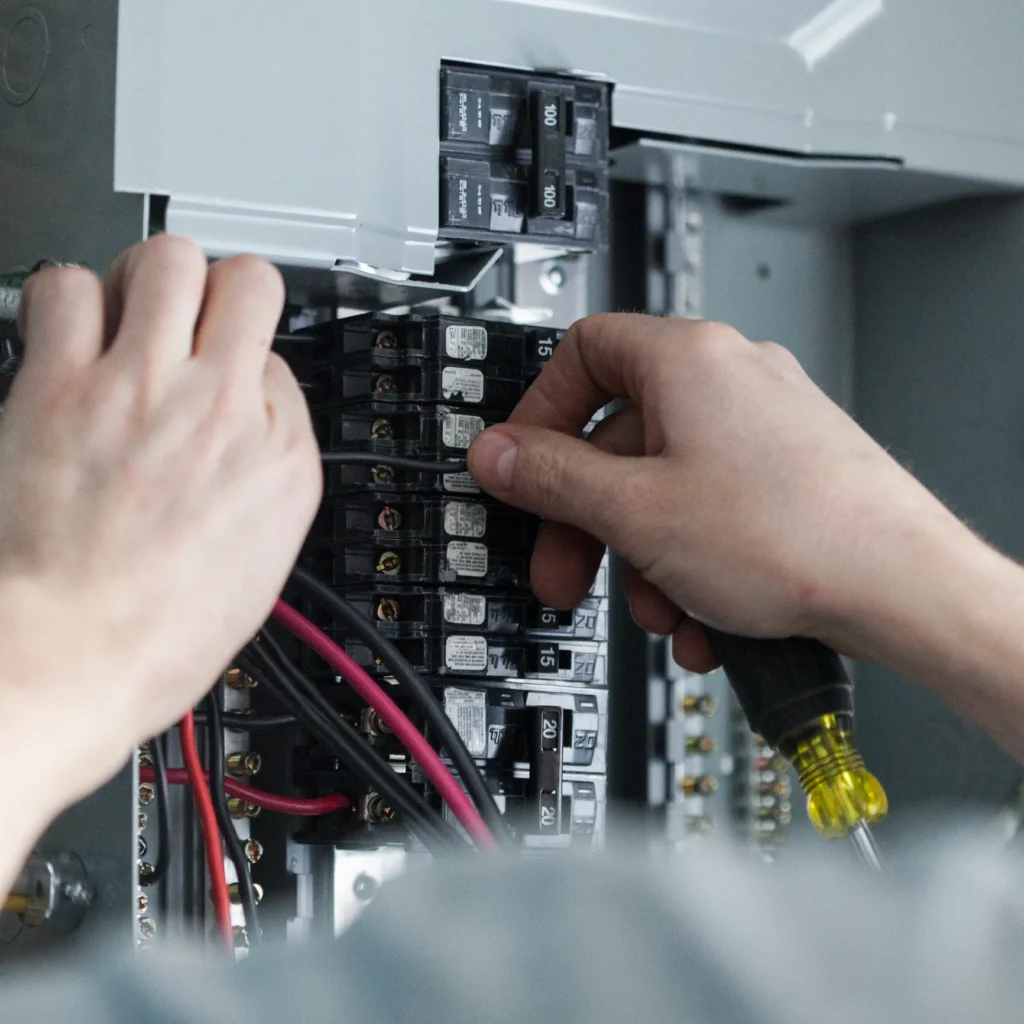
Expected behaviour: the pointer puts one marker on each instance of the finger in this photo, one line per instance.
(154, 293)
(690, 647)
(652, 611)
(244, 300)
(564, 563)
(61, 322)
(565, 479)
(600, 358)
(565, 558)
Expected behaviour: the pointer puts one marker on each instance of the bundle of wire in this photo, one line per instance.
(208, 825)
(232, 843)
(428, 759)
(265, 661)
(414, 688)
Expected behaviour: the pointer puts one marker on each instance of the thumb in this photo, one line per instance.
(563, 478)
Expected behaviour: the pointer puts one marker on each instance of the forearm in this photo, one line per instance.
(951, 617)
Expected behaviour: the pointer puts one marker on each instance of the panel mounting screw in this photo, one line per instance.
(365, 887)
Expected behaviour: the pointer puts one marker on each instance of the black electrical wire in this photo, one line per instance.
(158, 751)
(346, 743)
(395, 461)
(238, 722)
(232, 842)
(320, 718)
(413, 807)
(417, 690)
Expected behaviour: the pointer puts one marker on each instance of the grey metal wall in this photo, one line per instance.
(940, 380)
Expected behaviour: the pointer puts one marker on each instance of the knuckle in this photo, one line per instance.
(779, 354)
(173, 252)
(255, 273)
(716, 336)
(543, 471)
(58, 284)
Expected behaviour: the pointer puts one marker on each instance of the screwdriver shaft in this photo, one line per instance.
(864, 843)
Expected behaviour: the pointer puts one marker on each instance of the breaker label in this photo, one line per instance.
(463, 342)
(467, 558)
(464, 520)
(468, 711)
(584, 665)
(458, 429)
(466, 654)
(464, 609)
(462, 383)
(460, 483)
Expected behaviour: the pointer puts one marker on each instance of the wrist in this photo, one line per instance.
(946, 610)
(58, 739)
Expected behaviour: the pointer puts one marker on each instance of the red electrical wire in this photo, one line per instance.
(260, 797)
(210, 829)
(413, 740)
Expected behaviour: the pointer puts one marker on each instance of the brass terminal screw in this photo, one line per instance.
(146, 794)
(239, 680)
(388, 609)
(378, 810)
(700, 745)
(238, 808)
(147, 928)
(371, 722)
(235, 893)
(385, 384)
(244, 765)
(385, 339)
(253, 851)
(143, 902)
(699, 785)
(389, 563)
(145, 760)
(382, 430)
(143, 820)
(389, 519)
(381, 474)
(702, 704)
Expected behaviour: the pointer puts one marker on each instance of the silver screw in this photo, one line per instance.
(365, 888)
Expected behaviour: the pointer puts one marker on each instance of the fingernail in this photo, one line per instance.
(494, 457)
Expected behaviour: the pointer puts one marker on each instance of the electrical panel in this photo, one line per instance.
(443, 572)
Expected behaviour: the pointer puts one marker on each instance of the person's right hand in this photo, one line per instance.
(739, 494)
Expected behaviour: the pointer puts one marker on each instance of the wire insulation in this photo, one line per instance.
(284, 679)
(208, 824)
(232, 843)
(237, 721)
(416, 689)
(413, 740)
(306, 807)
(394, 461)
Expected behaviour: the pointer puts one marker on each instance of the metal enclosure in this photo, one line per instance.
(853, 167)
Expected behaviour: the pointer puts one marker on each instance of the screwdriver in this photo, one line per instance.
(797, 694)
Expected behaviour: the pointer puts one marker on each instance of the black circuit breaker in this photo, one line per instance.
(444, 570)
(524, 157)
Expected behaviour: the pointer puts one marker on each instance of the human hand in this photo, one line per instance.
(158, 473)
(734, 488)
